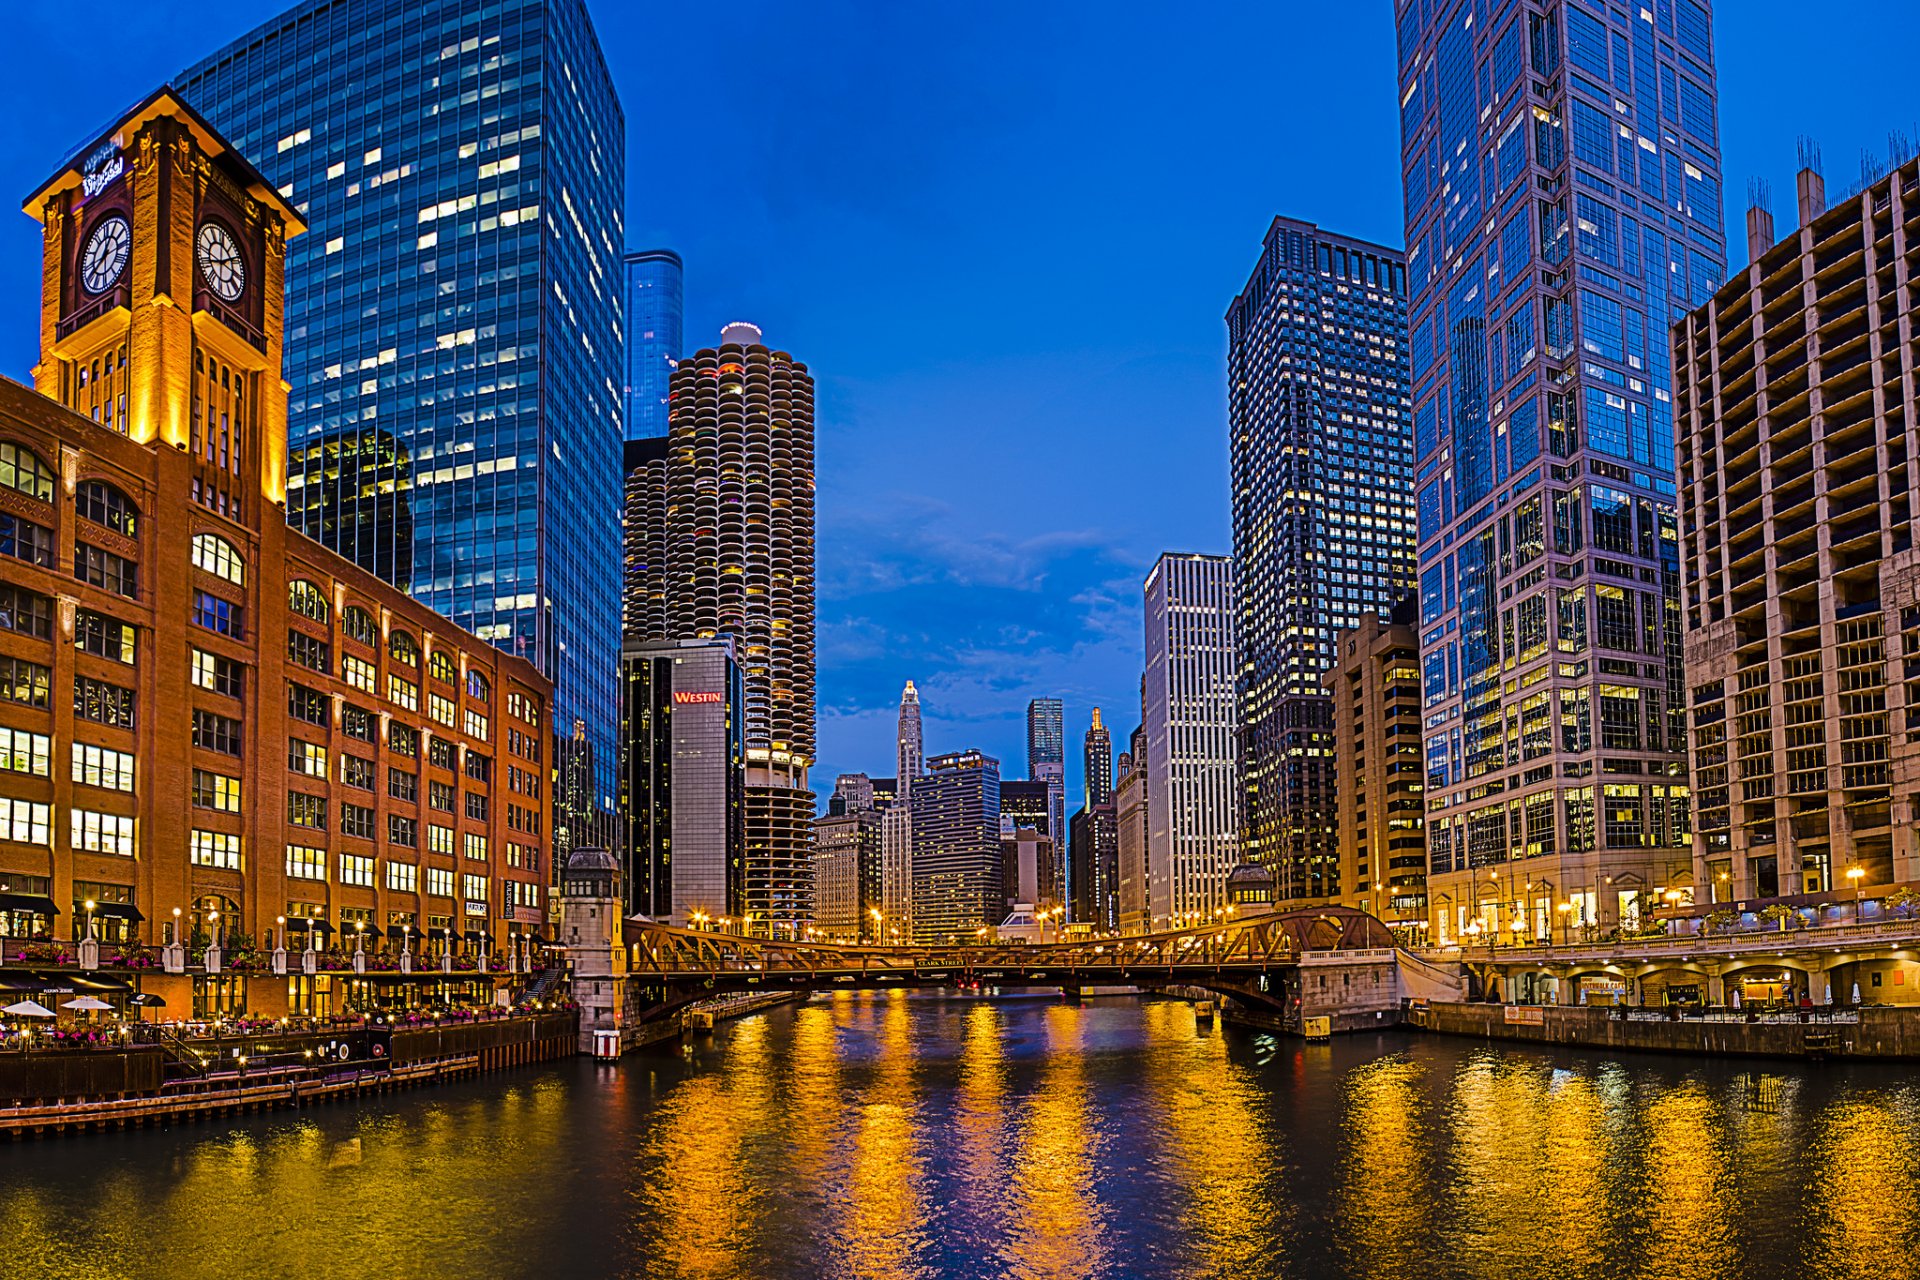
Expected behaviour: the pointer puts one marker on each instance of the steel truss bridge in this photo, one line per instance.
(1255, 960)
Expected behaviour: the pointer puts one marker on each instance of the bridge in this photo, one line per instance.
(1258, 961)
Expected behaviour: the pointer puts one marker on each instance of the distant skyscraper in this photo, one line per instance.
(1028, 805)
(847, 873)
(1189, 716)
(655, 309)
(1047, 762)
(462, 172)
(1131, 818)
(735, 494)
(1094, 837)
(1317, 382)
(643, 609)
(957, 879)
(1562, 172)
(909, 757)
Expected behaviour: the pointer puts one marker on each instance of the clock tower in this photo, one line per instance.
(162, 303)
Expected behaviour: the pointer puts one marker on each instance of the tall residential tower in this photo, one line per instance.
(1562, 172)
(1322, 516)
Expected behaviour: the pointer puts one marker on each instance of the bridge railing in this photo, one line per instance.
(1747, 942)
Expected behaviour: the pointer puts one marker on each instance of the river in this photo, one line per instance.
(905, 1135)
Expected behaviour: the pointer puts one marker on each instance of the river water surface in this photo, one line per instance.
(926, 1136)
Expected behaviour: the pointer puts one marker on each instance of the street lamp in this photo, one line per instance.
(1854, 875)
(1566, 922)
(177, 940)
(90, 905)
(279, 932)
(879, 917)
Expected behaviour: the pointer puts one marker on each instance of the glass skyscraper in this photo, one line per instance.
(453, 314)
(1562, 173)
(1317, 395)
(656, 308)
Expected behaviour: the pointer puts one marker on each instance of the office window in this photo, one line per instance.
(308, 601)
(356, 771)
(26, 822)
(25, 540)
(310, 652)
(103, 703)
(218, 675)
(218, 557)
(102, 833)
(24, 752)
(106, 570)
(358, 723)
(476, 806)
(306, 863)
(359, 625)
(22, 471)
(216, 733)
(440, 710)
(356, 869)
(217, 791)
(307, 757)
(440, 753)
(403, 741)
(440, 882)
(402, 649)
(356, 821)
(106, 506)
(475, 845)
(103, 637)
(439, 839)
(403, 877)
(441, 668)
(308, 705)
(404, 832)
(214, 849)
(307, 811)
(27, 683)
(402, 785)
(26, 612)
(477, 686)
(216, 615)
(403, 692)
(102, 767)
(474, 889)
(357, 672)
(440, 795)
(476, 725)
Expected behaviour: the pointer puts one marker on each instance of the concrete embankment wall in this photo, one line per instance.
(1881, 1033)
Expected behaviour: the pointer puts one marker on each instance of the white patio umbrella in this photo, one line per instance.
(29, 1009)
(90, 1003)
(1829, 990)
(1856, 993)
(1736, 997)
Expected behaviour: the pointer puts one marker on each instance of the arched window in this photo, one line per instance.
(441, 667)
(100, 502)
(359, 625)
(476, 685)
(217, 556)
(307, 600)
(402, 648)
(22, 469)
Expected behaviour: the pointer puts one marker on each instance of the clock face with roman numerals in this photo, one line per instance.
(220, 262)
(105, 256)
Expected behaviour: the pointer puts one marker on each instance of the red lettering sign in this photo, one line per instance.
(687, 699)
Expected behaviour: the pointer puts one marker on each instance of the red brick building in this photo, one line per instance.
(209, 722)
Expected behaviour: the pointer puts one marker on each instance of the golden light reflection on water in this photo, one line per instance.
(703, 1198)
(980, 1115)
(1386, 1189)
(1689, 1190)
(1218, 1146)
(881, 1215)
(1532, 1151)
(1865, 1198)
(1055, 1224)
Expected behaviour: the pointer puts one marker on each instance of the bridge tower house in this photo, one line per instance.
(590, 914)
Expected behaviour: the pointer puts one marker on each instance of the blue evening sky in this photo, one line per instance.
(1003, 236)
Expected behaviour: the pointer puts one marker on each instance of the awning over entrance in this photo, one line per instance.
(28, 902)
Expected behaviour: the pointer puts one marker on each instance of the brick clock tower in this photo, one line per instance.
(162, 300)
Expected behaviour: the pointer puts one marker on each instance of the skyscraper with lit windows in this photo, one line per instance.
(1317, 395)
(1562, 173)
(461, 169)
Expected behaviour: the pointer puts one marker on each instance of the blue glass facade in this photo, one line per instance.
(656, 308)
(1562, 173)
(453, 314)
